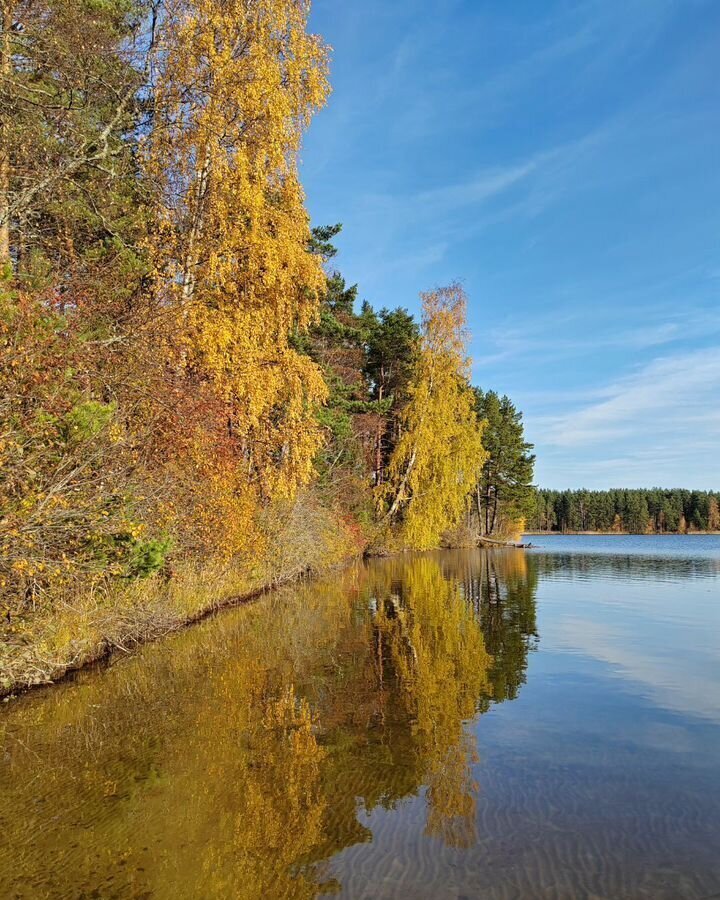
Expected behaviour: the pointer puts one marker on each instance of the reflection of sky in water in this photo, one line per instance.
(658, 635)
(609, 752)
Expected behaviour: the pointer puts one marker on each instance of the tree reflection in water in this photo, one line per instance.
(237, 758)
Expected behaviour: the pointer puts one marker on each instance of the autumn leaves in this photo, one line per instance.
(158, 401)
(237, 84)
(437, 461)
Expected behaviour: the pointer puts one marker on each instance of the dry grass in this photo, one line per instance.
(80, 627)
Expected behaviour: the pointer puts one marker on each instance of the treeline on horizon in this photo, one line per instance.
(189, 395)
(638, 511)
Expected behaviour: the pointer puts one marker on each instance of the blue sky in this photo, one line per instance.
(562, 160)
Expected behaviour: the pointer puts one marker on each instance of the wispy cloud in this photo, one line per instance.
(670, 395)
(458, 208)
(581, 329)
(590, 39)
(477, 189)
(515, 344)
(437, 203)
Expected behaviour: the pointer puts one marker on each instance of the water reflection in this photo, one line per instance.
(236, 759)
(624, 565)
(389, 733)
(502, 586)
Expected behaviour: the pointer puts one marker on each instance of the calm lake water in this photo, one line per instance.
(506, 724)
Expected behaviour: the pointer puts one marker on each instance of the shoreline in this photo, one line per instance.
(157, 609)
(161, 614)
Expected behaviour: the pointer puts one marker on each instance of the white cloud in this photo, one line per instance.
(481, 187)
(662, 397)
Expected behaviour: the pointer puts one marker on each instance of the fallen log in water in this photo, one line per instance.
(518, 546)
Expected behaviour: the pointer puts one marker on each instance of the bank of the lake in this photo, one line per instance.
(77, 629)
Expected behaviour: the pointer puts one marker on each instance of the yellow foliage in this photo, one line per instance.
(239, 82)
(439, 455)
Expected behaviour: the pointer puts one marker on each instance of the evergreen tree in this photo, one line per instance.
(392, 348)
(636, 515)
(70, 83)
(636, 511)
(504, 492)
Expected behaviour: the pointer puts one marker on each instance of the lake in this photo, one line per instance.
(460, 724)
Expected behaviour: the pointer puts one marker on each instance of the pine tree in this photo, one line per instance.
(391, 353)
(713, 514)
(504, 493)
(637, 514)
(70, 79)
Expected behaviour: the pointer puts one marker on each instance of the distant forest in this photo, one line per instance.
(652, 511)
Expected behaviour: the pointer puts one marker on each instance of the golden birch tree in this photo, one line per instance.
(237, 83)
(436, 462)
